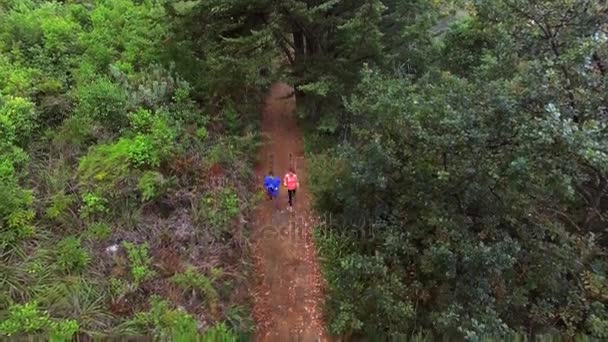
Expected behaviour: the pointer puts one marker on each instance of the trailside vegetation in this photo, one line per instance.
(464, 189)
(125, 172)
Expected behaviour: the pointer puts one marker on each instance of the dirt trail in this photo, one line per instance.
(288, 289)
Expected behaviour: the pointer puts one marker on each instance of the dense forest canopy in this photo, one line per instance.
(460, 149)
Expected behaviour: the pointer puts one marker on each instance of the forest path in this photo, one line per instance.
(287, 295)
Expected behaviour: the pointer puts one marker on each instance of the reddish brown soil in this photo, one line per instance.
(288, 291)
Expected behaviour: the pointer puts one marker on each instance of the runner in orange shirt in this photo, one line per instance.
(292, 184)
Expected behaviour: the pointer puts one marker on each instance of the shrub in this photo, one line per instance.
(20, 222)
(28, 319)
(192, 280)
(16, 215)
(163, 136)
(63, 330)
(75, 134)
(16, 79)
(71, 256)
(139, 261)
(141, 120)
(219, 333)
(166, 323)
(219, 209)
(99, 231)
(232, 120)
(17, 121)
(103, 101)
(142, 152)
(185, 109)
(24, 318)
(151, 185)
(118, 287)
(202, 133)
(93, 205)
(60, 203)
(106, 165)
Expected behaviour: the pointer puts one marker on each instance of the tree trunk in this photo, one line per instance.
(311, 46)
(298, 42)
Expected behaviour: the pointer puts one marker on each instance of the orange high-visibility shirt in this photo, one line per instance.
(291, 181)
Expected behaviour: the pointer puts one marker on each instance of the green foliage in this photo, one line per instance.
(219, 209)
(202, 133)
(105, 102)
(19, 221)
(140, 120)
(93, 205)
(151, 185)
(231, 119)
(140, 262)
(71, 256)
(239, 318)
(17, 121)
(63, 330)
(466, 183)
(60, 203)
(94, 116)
(26, 318)
(106, 164)
(220, 333)
(191, 280)
(16, 215)
(166, 323)
(118, 287)
(141, 152)
(99, 231)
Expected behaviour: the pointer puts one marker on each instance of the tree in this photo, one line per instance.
(479, 183)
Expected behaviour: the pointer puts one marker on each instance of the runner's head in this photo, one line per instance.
(291, 170)
(270, 173)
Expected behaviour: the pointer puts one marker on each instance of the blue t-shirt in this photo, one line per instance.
(272, 184)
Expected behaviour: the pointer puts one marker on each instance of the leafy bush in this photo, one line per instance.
(94, 205)
(75, 134)
(166, 323)
(20, 222)
(140, 261)
(17, 121)
(16, 215)
(239, 318)
(63, 330)
(163, 134)
(151, 185)
(141, 152)
(24, 318)
(71, 256)
(27, 319)
(99, 231)
(60, 203)
(219, 333)
(140, 120)
(105, 102)
(219, 209)
(17, 79)
(106, 165)
(118, 287)
(191, 279)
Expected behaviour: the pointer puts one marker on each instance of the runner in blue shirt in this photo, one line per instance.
(272, 184)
